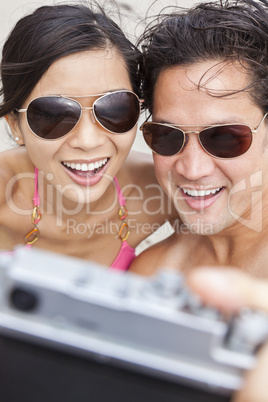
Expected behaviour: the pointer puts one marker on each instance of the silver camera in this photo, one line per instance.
(152, 326)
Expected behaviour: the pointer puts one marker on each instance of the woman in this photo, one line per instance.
(71, 99)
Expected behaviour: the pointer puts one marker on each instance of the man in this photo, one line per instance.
(206, 85)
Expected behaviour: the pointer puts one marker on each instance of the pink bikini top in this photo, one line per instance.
(126, 253)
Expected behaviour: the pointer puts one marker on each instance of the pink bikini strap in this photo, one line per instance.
(121, 198)
(36, 199)
(123, 213)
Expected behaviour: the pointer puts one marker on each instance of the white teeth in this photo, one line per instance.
(200, 193)
(85, 167)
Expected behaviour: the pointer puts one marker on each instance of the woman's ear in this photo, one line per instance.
(13, 124)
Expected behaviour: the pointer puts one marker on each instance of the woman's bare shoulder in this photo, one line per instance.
(12, 162)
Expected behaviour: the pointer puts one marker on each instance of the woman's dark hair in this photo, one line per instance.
(52, 32)
(227, 30)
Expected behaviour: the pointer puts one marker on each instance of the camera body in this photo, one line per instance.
(152, 326)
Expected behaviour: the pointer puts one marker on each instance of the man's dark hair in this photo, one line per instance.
(226, 31)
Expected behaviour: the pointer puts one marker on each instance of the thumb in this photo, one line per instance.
(228, 288)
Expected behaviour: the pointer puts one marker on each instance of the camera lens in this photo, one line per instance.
(23, 300)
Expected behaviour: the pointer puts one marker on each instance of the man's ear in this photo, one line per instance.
(13, 124)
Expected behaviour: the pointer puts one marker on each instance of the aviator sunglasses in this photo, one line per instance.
(52, 117)
(221, 141)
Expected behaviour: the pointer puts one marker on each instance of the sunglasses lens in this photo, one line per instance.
(163, 140)
(227, 141)
(117, 112)
(52, 117)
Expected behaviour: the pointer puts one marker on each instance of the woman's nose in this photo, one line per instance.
(88, 133)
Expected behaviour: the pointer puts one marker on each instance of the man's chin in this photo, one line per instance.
(199, 227)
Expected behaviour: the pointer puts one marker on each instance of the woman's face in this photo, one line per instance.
(210, 194)
(84, 162)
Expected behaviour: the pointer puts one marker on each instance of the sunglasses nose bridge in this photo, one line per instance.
(191, 132)
(186, 136)
(92, 115)
(186, 139)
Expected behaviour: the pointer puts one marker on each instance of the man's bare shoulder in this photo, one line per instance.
(145, 198)
(160, 255)
(140, 168)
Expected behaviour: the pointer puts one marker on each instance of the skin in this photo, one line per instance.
(94, 206)
(90, 141)
(231, 241)
(235, 215)
(230, 290)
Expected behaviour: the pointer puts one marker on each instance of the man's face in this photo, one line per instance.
(211, 194)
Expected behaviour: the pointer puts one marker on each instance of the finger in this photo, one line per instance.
(255, 386)
(228, 288)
